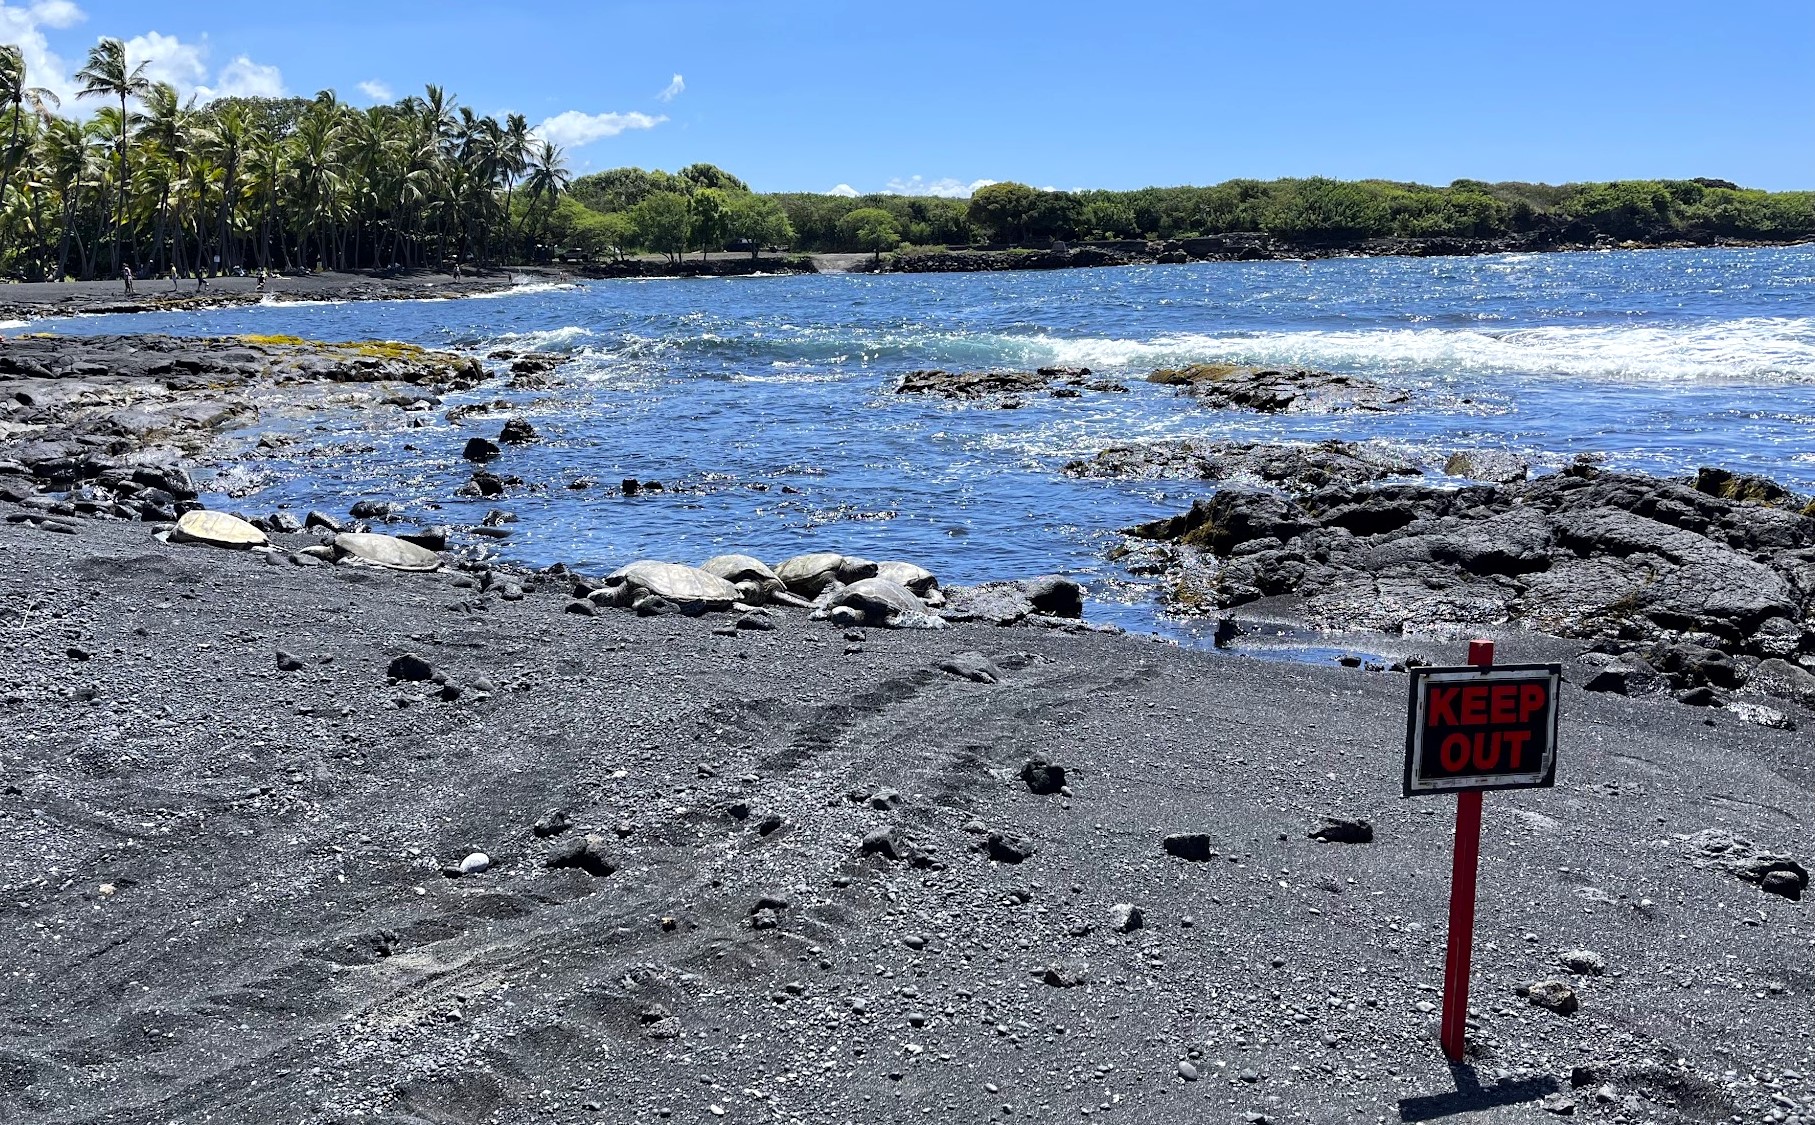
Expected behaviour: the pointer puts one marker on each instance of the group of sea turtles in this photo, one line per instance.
(840, 588)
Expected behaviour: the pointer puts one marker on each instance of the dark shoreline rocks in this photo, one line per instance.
(113, 419)
(729, 266)
(36, 300)
(1063, 382)
(1277, 390)
(1678, 587)
(1295, 467)
(1255, 246)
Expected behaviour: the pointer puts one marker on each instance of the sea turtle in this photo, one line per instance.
(921, 581)
(810, 575)
(386, 551)
(878, 601)
(755, 582)
(692, 589)
(216, 529)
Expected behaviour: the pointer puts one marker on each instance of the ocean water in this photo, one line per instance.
(766, 405)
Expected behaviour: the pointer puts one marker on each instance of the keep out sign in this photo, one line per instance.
(1482, 728)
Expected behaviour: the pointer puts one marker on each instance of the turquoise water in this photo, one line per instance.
(765, 405)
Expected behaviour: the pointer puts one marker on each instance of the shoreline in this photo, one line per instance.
(580, 854)
(28, 301)
(1264, 248)
(48, 300)
(289, 829)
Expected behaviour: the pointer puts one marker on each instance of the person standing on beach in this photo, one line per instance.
(126, 276)
(261, 280)
(173, 288)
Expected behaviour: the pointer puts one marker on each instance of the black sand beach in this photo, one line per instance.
(32, 300)
(292, 839)
(822, 888)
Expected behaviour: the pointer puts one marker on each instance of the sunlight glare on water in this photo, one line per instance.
(766, 405)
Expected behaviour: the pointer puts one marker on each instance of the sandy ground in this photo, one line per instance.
(27, 300)
(226, 832)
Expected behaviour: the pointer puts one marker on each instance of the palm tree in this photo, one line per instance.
(224, 139)
(548, 176)
(107, 75)
(516, 157)
(166, 131)
(16, 95)
(269, 165)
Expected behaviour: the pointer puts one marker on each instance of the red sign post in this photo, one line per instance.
(1471, 729)
(1464, 866)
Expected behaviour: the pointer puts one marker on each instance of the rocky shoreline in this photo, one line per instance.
(739, 265)
(111, 427)
(311, 822)
(343, 843)
(1260, 247)
(41, 300)
(1704, 589)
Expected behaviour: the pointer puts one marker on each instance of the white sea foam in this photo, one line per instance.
(14, 323)
(1774, 349)
(548, 339)
(523, 289)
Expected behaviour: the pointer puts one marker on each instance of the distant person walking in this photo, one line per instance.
(261, 280)
(173, 287)
(126, 276)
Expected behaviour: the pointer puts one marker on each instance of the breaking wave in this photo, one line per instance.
(1759, 349)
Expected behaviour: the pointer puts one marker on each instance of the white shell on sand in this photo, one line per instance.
(386, 551)
(216, 529)
(677, 583)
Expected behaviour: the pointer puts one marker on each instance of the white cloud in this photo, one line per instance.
(169, 59)
(57, 13)
(573, 128)
(376, 90)
(185, 66)
(166, 58)
(22, 25)
(947, 188)
(674, 90)
(243, 78)
(844, 191)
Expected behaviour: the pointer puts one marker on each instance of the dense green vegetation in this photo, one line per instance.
(1319, 210)
(1311, 210)
(248, 183)
(153, 183)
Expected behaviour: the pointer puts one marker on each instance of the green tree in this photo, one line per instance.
(614, 234)
(1626, 209)
(107, 75)
(16, 96)
(872, 229)
(662, 222)
(615, 189)
(1006, 209)
(711, 176)
(708, 220)
(758, 220)
(1330, 210)
(547, 178)
(1108, 217)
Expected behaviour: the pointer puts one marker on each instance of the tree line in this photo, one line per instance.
(152, 183)
(1309, 211)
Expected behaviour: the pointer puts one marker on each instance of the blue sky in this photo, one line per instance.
(935, 95)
